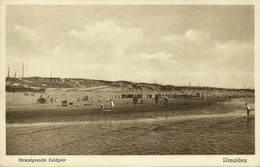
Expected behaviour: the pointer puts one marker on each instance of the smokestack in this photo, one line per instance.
(8, 72)
(23, 70)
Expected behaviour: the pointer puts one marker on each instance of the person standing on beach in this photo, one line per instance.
(166, 100)
(108, 100)
(102, 107)
(156, 99)
(248, 109)
(99, 99)
(135, 99)
(112, 104)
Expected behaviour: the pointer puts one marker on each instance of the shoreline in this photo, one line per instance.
(153, 119)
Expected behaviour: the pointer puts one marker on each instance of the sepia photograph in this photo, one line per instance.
(129, 79)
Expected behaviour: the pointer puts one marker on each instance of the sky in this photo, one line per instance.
(168, 44)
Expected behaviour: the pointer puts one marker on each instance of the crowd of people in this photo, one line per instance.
(136, 100)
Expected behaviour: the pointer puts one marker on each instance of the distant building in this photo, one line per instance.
(44, 85)
(26, 85)
(15, 84)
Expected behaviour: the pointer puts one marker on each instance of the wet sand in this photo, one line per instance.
(211, 135)
(199, 131)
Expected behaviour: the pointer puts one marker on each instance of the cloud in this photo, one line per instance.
(198, 47)
(73, 33)
(106, 38)
(191, 46)
(29, 37)
(196, 35)
(107, 50)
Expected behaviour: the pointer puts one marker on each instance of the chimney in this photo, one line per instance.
(23, 70)
(8, 72)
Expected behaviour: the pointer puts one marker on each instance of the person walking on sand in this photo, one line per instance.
(112, 104)
(135, 99)
(156, 99)
(108, 100)
(99, 99)
(102, 107)
(248, 109)
(166, 100)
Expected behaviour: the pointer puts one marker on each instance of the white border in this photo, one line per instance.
(149, 160)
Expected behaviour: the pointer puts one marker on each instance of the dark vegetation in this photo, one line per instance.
(40, 82)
